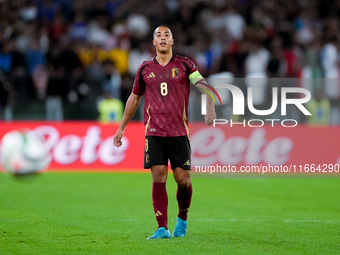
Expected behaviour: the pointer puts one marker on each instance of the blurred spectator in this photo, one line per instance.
(54, 108)
(5, 87)
(110, 108)
(6, 57)
(320, 108)
(127, 83)
(6, 66)
(57, 28)
(276, 64)
(78, 28)
(97, 31)
(283, 25)
(138, 25)
(47, 9)
(36, 64)
(57, 85)
(330, 64)
(311, 68)
(234, 23)
(118, 38)
(138, 56)
(89, 52)
(257, 60)
(203, 55)
(120, 57)
(23, 41)
(306, 26)
(112, 81)
(112, 5)
(23, 89)
(29, 11)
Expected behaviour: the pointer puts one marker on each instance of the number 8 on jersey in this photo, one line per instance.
(164, 88)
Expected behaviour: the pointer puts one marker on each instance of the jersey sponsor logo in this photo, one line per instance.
(152, 130)
(187, 163)
(174, 72)
(151, 75)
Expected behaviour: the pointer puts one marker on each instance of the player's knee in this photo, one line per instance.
(183, 183)
(159, 174)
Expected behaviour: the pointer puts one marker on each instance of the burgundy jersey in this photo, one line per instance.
(166, 91)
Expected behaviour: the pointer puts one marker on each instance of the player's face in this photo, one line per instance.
(163, 40)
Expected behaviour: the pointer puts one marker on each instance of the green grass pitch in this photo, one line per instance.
(96, 213)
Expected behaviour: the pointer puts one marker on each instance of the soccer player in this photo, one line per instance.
(165, 82)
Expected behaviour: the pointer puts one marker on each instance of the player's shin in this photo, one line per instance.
(184, 200)
(160, 203)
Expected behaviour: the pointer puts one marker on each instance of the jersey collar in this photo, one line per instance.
(172, 58)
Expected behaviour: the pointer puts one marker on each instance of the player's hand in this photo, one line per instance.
(210, 116)
(117, 139)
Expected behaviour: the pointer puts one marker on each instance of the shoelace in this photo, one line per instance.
(158, 231)
(180, 226)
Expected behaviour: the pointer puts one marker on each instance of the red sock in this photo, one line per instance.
(184, 200)
(160, 203)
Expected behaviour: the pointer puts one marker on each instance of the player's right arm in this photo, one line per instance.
(132, 103)
(130, 109)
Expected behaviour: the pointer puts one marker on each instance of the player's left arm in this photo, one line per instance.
(197, 79)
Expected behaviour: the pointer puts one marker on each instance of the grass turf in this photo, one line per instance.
(78, 213)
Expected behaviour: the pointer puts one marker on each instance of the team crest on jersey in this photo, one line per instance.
(174, 72)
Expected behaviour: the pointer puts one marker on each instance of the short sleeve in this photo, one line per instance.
(189, 66)
(192, 66)
(139, 84)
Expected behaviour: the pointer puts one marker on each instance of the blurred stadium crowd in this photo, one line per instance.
(69, 56)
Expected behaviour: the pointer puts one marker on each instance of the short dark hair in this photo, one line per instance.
(163, 25)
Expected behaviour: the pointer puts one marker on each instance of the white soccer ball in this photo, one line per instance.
(23, 152)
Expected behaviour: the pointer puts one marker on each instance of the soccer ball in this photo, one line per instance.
(23, 153)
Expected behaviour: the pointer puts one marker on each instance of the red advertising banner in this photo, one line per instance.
(88, 146)
(266, 145)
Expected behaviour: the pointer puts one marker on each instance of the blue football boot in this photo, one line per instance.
(180, 229)
(160, 233)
